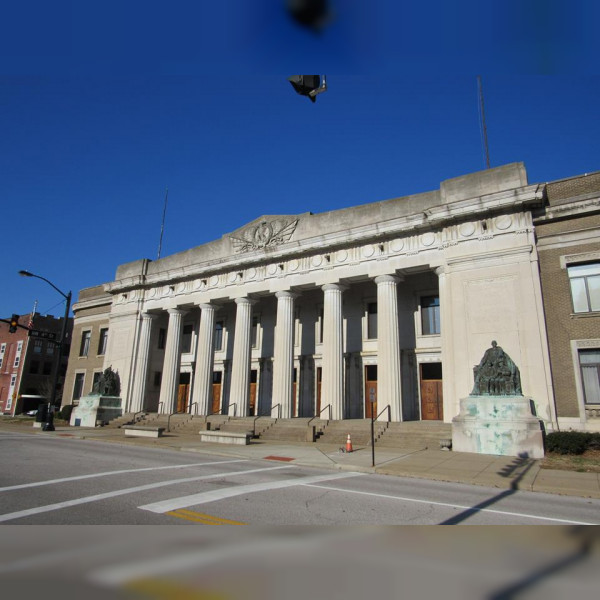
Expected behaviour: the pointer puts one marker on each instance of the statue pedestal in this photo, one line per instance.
(501, 425)
(96, 409)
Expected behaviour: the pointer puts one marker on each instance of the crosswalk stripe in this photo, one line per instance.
(239, 490)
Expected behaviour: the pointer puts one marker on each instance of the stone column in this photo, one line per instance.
(283, 367)
(332, 385)
(240, 372)
(389, 390)
(450, 408)
(170, 374)
(141, 366)
(202, 395)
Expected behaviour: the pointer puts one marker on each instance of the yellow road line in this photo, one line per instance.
(197, 517)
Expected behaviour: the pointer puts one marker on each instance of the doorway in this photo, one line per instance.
(370, 391)
(183, 392)
(432, 399)
(318, 392)
(216, 392)
(252, 399)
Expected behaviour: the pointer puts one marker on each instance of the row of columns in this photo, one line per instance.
(332, 385)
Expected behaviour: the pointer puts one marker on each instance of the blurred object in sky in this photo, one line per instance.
(314, 14)
(309, 85)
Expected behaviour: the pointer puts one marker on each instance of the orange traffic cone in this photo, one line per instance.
(348, 444)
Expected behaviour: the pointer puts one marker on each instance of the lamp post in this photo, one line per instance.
(49, 424)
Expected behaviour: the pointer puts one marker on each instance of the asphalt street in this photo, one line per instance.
(55, 480)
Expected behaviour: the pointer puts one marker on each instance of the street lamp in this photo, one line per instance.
(49, 424)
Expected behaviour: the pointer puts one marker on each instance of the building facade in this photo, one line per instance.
(379, 309)
(568, 237)
(90, 342)
(28, 364)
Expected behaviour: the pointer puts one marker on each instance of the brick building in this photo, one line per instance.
(28, 364)
(568, 242)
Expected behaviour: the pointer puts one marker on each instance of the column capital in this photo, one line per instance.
(441, 270)
(287, 294)
(245, 300)
(177, 311)
(334, 287)
(388, 279)
(149, 316)
(207, 306)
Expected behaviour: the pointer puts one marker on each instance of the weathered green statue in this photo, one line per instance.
(107, 385)
(496, 374)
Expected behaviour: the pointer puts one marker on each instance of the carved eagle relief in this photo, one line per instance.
(264, 234)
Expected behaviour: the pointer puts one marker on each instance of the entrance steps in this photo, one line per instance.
(415, 434)
(359, 430)
(125, 419)
(257, 426)
(293, 430)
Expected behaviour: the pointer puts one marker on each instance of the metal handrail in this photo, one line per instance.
(278, 407)
(328, 407)
(139, 412)
(389, 409)
(256, 419)
(179, 412)
(190, 408)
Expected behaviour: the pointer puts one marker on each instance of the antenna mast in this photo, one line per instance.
(162, 226)
(482, 124)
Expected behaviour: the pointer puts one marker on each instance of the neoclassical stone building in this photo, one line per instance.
(385, 306)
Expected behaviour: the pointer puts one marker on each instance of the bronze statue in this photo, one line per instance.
(108, 384)
(496, 374)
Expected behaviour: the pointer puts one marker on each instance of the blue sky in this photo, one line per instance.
(103, 105)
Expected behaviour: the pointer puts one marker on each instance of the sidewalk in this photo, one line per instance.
(506, 472)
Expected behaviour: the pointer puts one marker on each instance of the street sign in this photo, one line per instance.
(46, 335)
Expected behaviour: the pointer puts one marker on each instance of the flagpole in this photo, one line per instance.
(30, 325)
(162, 226)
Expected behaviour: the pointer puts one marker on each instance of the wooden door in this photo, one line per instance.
(318, 392)
(293, 414)
(216, 392)
(252, 399)
(431, 392)
(182, 397)
(370, 391)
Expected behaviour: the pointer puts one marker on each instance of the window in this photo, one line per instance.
(102, 343)
(186, 342)
(37, 346)
(34, 367)
(589, 361)
(320, 325)
(18, 355)
(78, 385)
(95, 379)
(2, 351)
(585, 287)
(84, 349)
(430, 315)
(50, 349)
(372, 320)
(254, 333)
(47, 368)
(162, 338)
(11, 391)
(219, 335)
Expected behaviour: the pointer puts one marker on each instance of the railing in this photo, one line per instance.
(328, 407)
(139, 412)
(254, 423)
(278, 407)
(389, 409)
(220, 412)
(190, 408)
(179, 412)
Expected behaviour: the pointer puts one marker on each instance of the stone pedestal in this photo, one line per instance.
(96, 409)
(501, 425)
